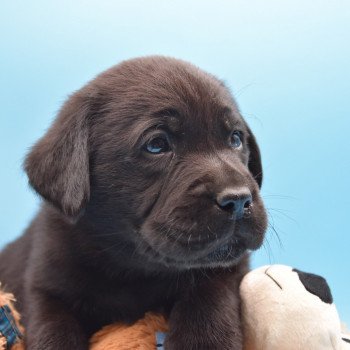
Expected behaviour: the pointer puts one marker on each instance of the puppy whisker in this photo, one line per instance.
(282, 212)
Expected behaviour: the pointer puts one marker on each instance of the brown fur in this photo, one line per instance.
(122, 231)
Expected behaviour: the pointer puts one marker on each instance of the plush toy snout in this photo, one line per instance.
(287, 309)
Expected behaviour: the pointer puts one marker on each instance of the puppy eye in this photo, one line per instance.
(158, 145)
(236, 139)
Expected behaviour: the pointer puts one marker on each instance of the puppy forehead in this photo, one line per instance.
(153, 91)
(189, 101)
(167, 82)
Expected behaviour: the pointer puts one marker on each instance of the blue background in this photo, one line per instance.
(287, 63)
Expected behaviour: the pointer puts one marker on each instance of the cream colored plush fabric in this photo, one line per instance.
(280, 314)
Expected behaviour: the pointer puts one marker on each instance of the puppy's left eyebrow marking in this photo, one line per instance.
(167, 112)
(228, 119)
(171, 117)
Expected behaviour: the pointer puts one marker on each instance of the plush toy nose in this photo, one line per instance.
(235, 201)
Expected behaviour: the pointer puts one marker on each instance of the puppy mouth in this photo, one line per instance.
(224, 254)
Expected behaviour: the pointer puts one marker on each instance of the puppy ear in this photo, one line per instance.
(254, 163)
(58, 164)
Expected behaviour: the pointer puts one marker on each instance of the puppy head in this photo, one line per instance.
(155, 153)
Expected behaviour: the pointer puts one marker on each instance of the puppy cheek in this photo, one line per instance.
(153, 233)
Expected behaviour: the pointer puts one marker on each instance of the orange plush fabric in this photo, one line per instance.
(139, 336)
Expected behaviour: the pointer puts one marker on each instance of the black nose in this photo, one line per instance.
(235, 202)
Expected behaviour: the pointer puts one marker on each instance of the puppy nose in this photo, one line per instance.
(235, 201)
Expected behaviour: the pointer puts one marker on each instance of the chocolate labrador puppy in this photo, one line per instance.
(150, 179)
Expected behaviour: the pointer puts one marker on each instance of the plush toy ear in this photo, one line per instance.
(346, 339)
(316, 285)
(254, 163)
(345, 342)
(58, 164)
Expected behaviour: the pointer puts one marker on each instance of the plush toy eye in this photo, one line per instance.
(236, 139)
(157, 145)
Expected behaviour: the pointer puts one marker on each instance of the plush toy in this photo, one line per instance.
(146, 334)
(10, 329)
(282, 308)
